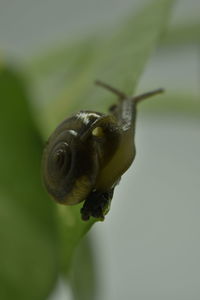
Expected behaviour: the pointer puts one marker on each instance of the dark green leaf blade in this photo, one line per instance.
(28, 251)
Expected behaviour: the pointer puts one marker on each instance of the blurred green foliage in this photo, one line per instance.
(29, 243)
(38, 237)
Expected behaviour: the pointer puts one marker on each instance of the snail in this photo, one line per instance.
(87, 154)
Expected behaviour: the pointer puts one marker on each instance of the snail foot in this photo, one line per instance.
(96, 205)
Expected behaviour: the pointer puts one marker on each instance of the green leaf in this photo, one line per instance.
(185, 34)
(28, 251)
(56, 76)
(71, 229)
(63, 84)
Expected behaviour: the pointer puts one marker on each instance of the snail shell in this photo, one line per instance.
(72, 161)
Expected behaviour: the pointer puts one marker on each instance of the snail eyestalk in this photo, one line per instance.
(147, 95)
(111, 89)
(122, 95)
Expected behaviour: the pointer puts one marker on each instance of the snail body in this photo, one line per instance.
(87, 154)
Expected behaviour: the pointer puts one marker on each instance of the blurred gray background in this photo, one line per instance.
(27, 26)
(149, 245)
